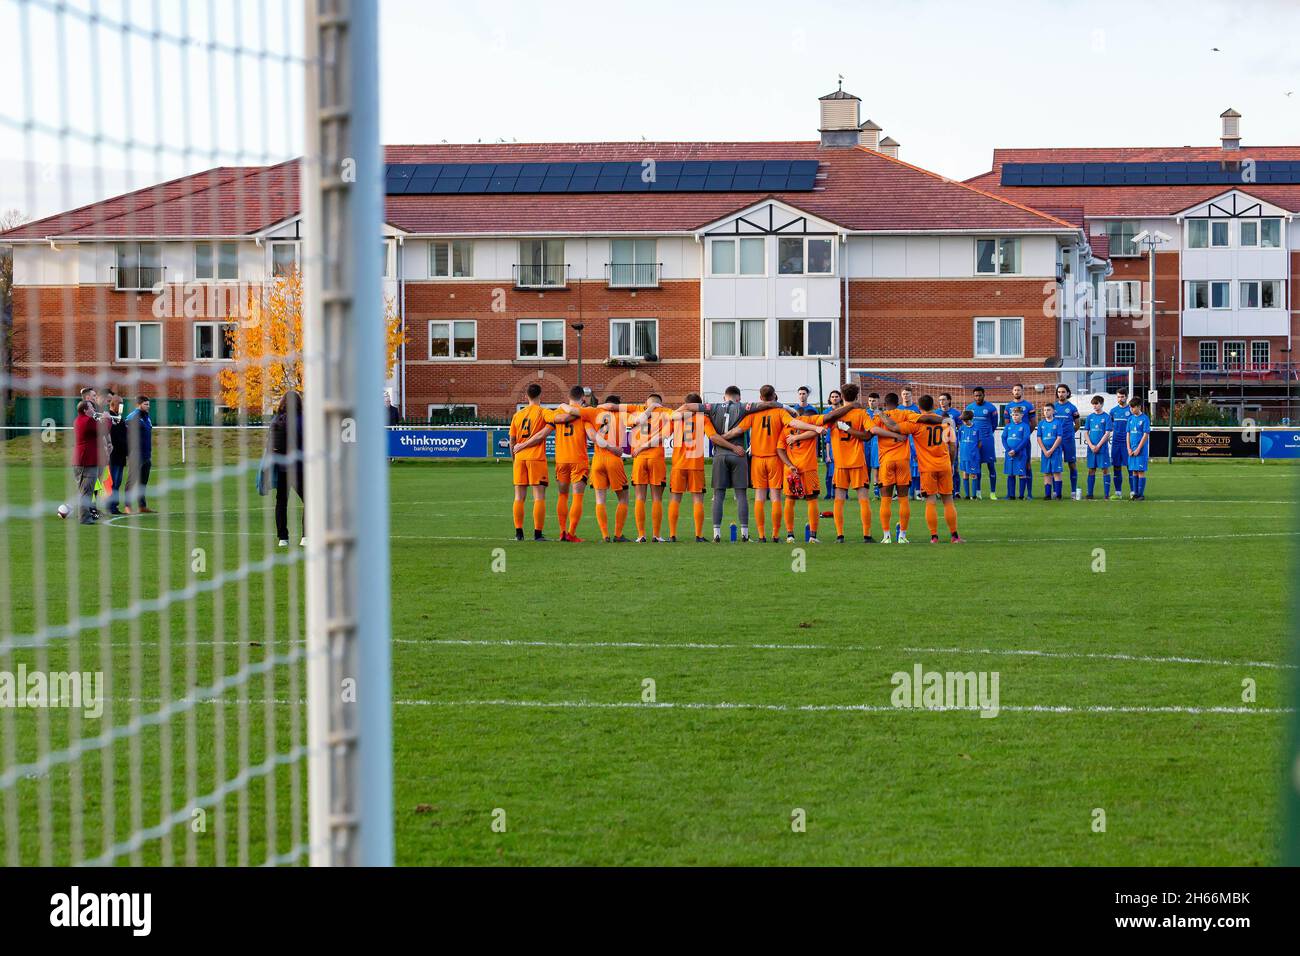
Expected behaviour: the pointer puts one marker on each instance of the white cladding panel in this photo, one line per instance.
(806, 297)
(1233, 263)
(1216, 323)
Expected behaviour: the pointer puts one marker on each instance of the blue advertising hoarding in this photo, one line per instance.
(438, 443)
(1280, 444)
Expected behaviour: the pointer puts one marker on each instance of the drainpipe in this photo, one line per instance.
(844, 346)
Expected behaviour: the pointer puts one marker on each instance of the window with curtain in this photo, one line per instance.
(632, 263)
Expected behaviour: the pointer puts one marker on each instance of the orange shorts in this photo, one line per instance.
(686, 480)
(571, 473)
(766, 473)
(649, 469)
(608, 473)
(850, 478)
(530, 472)
(811, 484)
(936, 482)
(897, 472)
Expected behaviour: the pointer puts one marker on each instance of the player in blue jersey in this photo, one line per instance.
(1015, 439)
(986, 422)
(1068, 422)
(968, 453)
(953, 415)
(1139, 448)
(1119, 439)
(1051, 436)
(873, 447)
(1098, 427)
(1029, 415)
(828, 451)
(907, 403)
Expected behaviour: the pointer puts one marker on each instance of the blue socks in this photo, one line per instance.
(1047, 488)
(965, 485)
(977, 483)
(1105, 483)
(1074, 480)
(1026, 483)
(1011, 486)
(1056, 487)
(993, 477)
(1142, 486)
(1092, 484)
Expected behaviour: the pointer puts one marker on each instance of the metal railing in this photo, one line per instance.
(137, 278)
(541, 276)
(1234, 371)
(633, 275)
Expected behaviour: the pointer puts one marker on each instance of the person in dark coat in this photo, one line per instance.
(117, 451)
(287, 458)
(139, 435)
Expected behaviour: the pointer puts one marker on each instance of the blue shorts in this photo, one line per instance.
(1015, 467)
(875, 451)
(1099, 459)
(1052, 464)
(1137, 462)
(1119, 454)
(988, 451)
(968, 464)
(1068, 448)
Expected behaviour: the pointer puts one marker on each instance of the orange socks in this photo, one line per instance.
(674, 509)
(950, 516)
(776, 518)
(839, 516)
(519, 515)
(760, 515)
(602, 519)
(657, 517)
(699, 519)
(812, 516)
(932, 516)
(864, 509)
(562, 511)
(620, 519)
(886, 512)
(575, 513)
(789, 515)
(640, 518)
(539, 514)
(904, 513)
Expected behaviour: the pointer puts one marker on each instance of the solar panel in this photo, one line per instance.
(757, 175)
(1227, 172)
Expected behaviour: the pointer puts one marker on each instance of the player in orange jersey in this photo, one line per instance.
(572, 467)
(649, 426)
(766, 472)
(689, 431)
(528, 430)
(895, 470)
(853, 430)
(936, 449)
(608, 473)
(798, 452)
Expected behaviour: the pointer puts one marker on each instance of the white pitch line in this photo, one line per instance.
(700, 645)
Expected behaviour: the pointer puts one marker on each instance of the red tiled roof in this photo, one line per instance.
(858, 189)
(1135, 200)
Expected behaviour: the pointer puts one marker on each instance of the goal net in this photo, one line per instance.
(185, 258)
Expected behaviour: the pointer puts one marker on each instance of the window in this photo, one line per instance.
(1208, 353)
(1198, 233)
(804, 256)
(1248, 295)
(633, 338)
(1124, 298)
(1259, 354)
(284, 258)
(1219, 234)
(212, 341)
(1249, 233)
(723, 257)
(1234, 354)
(1126, 353)
(737, 338)
(1069, 337)
(216, 260)
(997, 256)
(999, 337)
(139, 266)
(1120, 233)
(1094, 356)
(451, 260)
(139, 341)
(455, 339)
(389, 259)
(1198, 295)
(1220, 298)
(797, 337)
(632, 263)
(1270, 233)
(1270, 294)
(541, 263)
(441, 414)
(541, 339)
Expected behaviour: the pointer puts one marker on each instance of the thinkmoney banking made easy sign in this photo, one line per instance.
(1284, 443)
(439, 443)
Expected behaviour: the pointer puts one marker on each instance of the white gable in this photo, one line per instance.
(1234, 204)
(770, 217)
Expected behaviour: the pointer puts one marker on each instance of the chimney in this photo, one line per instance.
(1231, 138)
(839, 119)
(868, 135)
(889, 146)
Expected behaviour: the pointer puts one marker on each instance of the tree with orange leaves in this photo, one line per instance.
(267, 346)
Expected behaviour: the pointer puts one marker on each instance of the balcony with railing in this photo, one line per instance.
(1230, 372)
(535, 276)
(633, 275)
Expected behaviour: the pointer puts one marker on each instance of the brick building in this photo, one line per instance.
(669, 267)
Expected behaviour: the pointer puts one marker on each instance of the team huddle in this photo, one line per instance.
(884, 447)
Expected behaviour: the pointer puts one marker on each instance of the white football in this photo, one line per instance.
(64, 511)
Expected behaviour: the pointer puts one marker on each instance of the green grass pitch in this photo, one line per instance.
(520, 675)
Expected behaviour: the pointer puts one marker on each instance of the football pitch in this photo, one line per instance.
(698, 703)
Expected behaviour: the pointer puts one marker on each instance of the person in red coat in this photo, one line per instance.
(88, 456)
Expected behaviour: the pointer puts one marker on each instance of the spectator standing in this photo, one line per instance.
(88, 455)
(287, 458)
(139, 440)
(117, 449)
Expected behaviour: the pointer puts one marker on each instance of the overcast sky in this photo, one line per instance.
(949, 80)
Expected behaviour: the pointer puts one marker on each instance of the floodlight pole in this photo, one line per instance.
(1151, 240)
